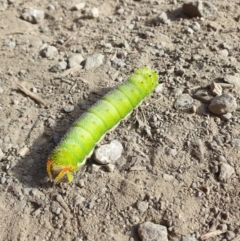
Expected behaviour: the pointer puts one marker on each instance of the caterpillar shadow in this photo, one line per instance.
(30, 170)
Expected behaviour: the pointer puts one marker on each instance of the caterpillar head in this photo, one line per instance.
(59, 174)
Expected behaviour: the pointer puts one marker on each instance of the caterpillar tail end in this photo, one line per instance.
(63, 174)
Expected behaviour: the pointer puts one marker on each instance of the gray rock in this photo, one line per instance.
(177, 92)
(134, 219)
(190, 31)
(184, 100)
(11, 43)
(159, 88)
(142, 206)
(68, 108)
(92, 13)
(223, 52)
(230, 235)
(203, 95)
(170, 151)
(168, 178)
(223, 227)
(62, 65)
(196, 26)
(226, 116)
(203, 9)
(118, 63)
(223, 104)
(3, 180)
(235, 142)
(232, 79)
(49, 52)
(163, 18)
(94, 61)
(74, 60)
(226, 172)
(95, 168)
(149, 231)
(110, 167)
(33, 15)
(108, 153)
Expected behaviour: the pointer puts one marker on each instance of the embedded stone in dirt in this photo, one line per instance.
(226, 172)
(94, 61)
(150, 231)
(225, 103)
(199, 9)
(49, 52)
(62, 65)
(33, 15)
(74, 60)
(184, 100)
(108, 153)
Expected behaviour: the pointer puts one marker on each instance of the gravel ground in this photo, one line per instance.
(178, 174)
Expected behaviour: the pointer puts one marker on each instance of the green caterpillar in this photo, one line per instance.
(78, 144)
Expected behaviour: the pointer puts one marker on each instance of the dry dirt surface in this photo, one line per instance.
(180, 165)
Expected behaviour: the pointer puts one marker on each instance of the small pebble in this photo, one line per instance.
(118, 63)
(226, 171)
(190, 31)
(23, 151)
(110, 167)
(163, 18)
(196, 26)
(142, 206)
(94, 61)
(95, 168)
(223, 52)
(60, 66)
(74, 60)
(235, 142)
(225, 103)
(3, 180)
(33, 15)
(223, 227)
(134, 219)
(168, 178)
(92, 13)
(149, 231)
(49, 52)
(108, 153)
(68, 108)
(159, 88)
(230, 235)
(184, 100)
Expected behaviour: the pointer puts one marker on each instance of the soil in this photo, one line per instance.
(173, 159)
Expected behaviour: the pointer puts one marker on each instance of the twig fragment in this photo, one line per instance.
(69, 38)
(31, 95)
(211, 234)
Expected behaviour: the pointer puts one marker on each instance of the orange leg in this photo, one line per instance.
(64, 171)
(59, 175)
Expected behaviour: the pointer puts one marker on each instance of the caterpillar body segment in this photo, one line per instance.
(79, 142)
